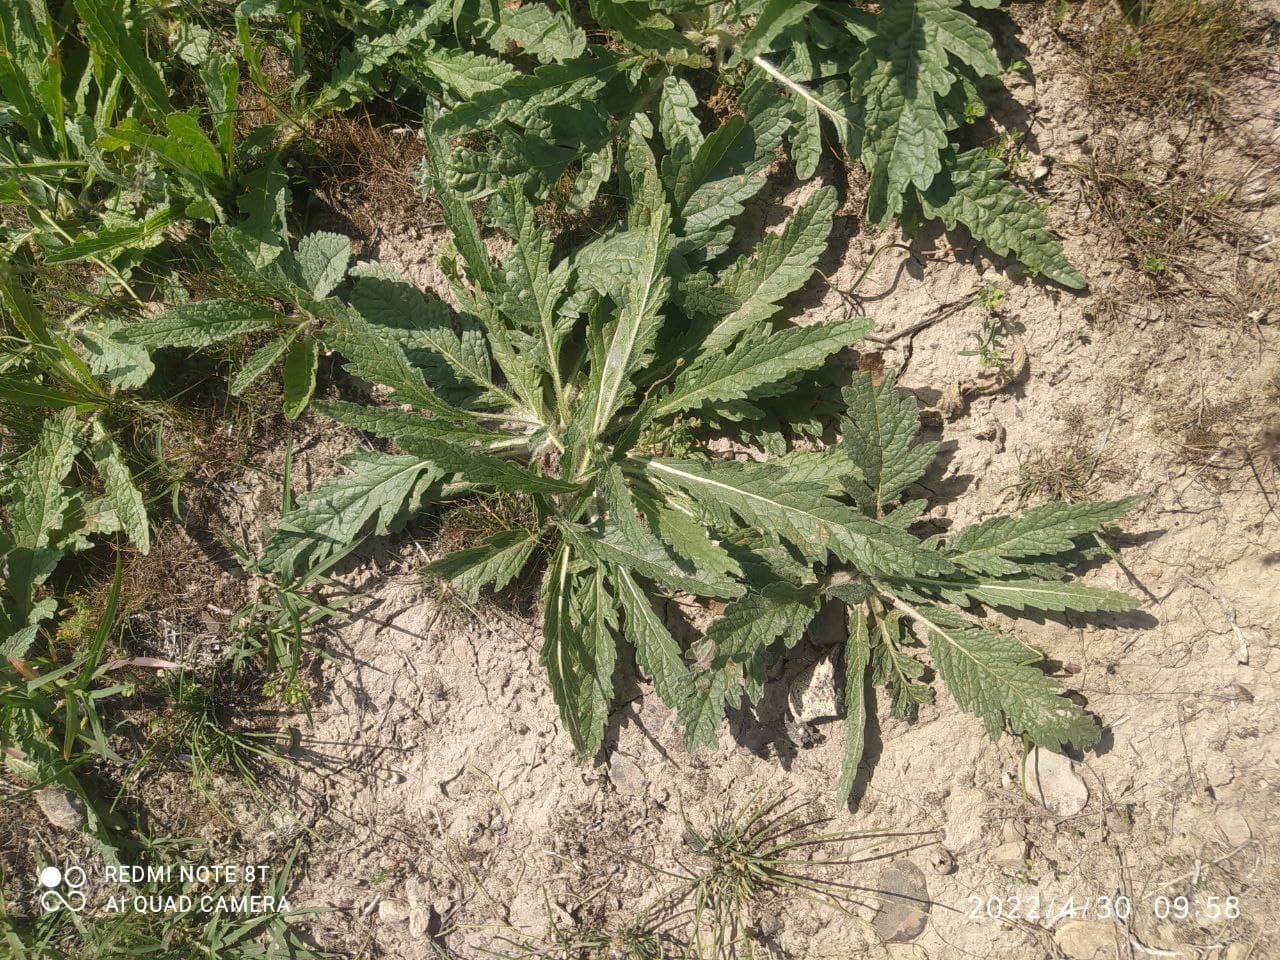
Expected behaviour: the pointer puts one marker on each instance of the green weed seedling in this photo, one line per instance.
(553, 93)
(271, 628)
(51, 713)
(194, 728)
(990, 338)
(168, 934)
(593, 382)
(286, 295)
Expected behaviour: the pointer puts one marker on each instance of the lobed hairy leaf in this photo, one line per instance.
(494, 563)
(996, 546)
(995, 677)
(971, 192)
(879, 437)
(375, 497)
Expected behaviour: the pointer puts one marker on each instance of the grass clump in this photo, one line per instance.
(195, 727)
(1069, 471)
(734, 870)
(631, 940)
(96, 934)
(1181, 229)
(743, 858)
(1167, 54)
(1163, 213)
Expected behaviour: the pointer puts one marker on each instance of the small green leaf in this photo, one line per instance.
(995, 677)
(642, 27)
(259, 362)
(657, 652)
(112, 36)
(636, 330)
(578, 650)
(421, 324)
(997, 545)
(463, 72)
(374, 497)
(816, 525)
(749, 291)
(900, 76)
(676, 117)
(38, 501)
(623, 539)
(596, 168)
(727, 170)
(322, 261)
(125, 366)
(776, 16)
(576, 81)
(299, 376)
(751, 624)
(482, 469)
(371, 354)
(897, 671)
(857, 656)
(759, 362)
(549, 35)
(200, 324)
(496, 561)
(1051, 595)
(457, 214)
(407, 425)
(120, 489)
(878, 437)
(110, 241)
(972, 192)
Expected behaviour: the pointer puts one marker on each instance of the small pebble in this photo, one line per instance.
(64, 810)
(1087, 940)
(1010, 857)
(941, 861)
(1053, 783)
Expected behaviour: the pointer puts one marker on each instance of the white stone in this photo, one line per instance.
(1010, 857)
(392, 911)
(626, 776)
(1087, 940)
(1234, 827)
(1053, 783)
(813, 695)
(1219, 771)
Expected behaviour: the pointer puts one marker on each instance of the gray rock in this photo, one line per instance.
(1219, 771)
(64, 810)
(964, 809)
(1119, 821)
(1087, 939)
(1010, 857)
(905, 904)
(1053, 783)
(419, 912)
(626, 776)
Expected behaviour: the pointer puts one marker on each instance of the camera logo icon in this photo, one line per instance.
(54, 880)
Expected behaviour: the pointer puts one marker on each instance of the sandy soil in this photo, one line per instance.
(449, 813)
(438, 804)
